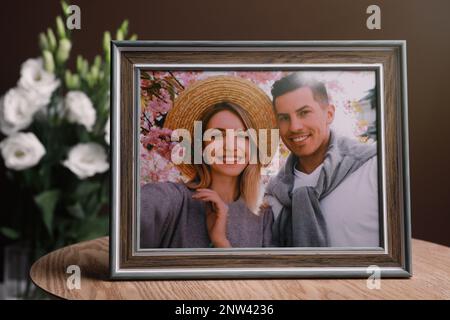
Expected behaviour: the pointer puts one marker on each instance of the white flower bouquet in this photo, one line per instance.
(55, 144)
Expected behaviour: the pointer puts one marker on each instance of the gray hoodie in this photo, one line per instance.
(301, 222)
(171, 218)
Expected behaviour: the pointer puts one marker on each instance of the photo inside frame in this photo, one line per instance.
(171, 217)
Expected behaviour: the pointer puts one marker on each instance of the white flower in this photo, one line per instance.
(39, 83)
(78, 109)
(107, 131)
(16, 111)
(87, 159)
(21, 150)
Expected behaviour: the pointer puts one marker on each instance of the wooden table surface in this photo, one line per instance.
(431, 280)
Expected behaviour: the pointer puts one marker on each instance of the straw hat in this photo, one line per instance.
(193, 102)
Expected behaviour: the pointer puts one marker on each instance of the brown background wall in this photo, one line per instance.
(424, 24)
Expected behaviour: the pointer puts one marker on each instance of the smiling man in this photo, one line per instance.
(326, 195)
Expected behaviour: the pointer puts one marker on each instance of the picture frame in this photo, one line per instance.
(387, 59)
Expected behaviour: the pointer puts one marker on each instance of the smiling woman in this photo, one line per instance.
(219, 205)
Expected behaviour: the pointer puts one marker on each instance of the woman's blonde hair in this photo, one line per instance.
(249, 180)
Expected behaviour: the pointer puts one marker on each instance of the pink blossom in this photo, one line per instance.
(259, 77)
(334, 86)
(159, 74)
(156, 168)
(160, 105)
(147, 119)
(186, 78)
(159, 139)
(145, 83)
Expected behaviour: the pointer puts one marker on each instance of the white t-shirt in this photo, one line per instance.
(351, 210)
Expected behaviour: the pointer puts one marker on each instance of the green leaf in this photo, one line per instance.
(46, 201)
(93, 228)
(92, 205)
(97, 62)
(72, 80)
(43, 42)
(82, 66)
(124, 28)
(63, 51)
(10, 233)
(94, 73)
(83, 135)
(76, 211)
(28, 177)
(106, 42)
(60, 28)
(79, 64)
(51, 40)
(49, 63)
(44, 176)
(119, 35)
(65, 8)
(86, 188)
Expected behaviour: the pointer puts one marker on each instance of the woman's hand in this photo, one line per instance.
(216, 217)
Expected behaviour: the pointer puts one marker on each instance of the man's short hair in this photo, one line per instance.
(297, 80)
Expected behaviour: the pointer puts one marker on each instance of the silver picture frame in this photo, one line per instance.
(118, 271)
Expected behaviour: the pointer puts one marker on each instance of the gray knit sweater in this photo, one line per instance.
(170, 218)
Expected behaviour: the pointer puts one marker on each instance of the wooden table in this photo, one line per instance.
(431, 280)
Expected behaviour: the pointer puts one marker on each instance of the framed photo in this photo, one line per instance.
(259, 159)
